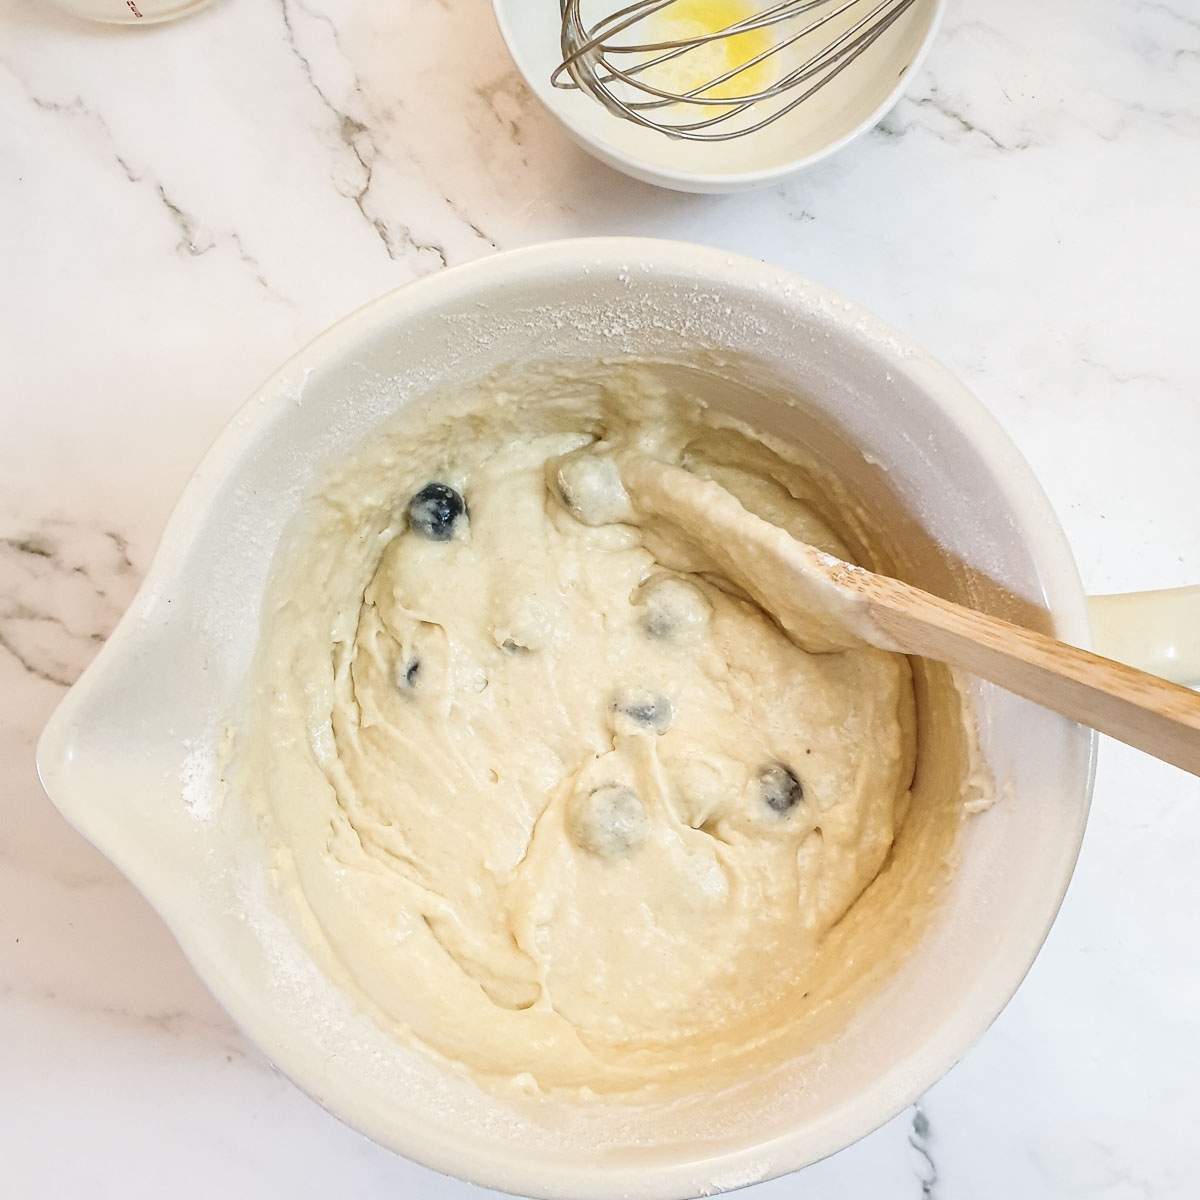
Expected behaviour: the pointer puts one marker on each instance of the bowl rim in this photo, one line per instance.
(728, 1169)
(714, 181)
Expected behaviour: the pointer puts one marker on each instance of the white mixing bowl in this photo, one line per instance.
(133, 755)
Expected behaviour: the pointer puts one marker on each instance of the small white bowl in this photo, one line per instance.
(849, 105)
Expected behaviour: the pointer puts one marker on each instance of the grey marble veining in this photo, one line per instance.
(62, 587)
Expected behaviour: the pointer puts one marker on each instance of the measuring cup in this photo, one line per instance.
(130, 12)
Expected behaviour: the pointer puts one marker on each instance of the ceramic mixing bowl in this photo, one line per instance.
(134, 756)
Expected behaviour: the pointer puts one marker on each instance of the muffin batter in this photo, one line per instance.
(554, 806)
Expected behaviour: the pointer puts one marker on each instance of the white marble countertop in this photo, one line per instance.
(183, 206)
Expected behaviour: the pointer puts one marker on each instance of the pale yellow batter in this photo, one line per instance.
(545, 803)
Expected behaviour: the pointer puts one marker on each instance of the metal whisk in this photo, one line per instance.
(633, 76)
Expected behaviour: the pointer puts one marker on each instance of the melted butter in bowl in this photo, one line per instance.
(571, 813)
(687, 20)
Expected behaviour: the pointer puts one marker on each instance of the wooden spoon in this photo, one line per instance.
(826, 604)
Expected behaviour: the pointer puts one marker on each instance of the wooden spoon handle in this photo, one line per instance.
(825, 604)
(1132, 706)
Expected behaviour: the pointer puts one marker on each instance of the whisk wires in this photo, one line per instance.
(626, 76)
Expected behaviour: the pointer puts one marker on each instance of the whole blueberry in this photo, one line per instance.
(781, 790)
(434, 512)
(651, 711)
(672, 607)
(609, 821)
(589, 485)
